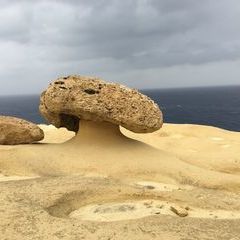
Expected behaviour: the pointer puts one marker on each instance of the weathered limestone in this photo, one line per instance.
(18, 131)
(70, 99)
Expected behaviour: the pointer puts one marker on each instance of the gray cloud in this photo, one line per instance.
(40, 40)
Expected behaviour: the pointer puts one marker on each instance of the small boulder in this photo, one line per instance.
(15, 131)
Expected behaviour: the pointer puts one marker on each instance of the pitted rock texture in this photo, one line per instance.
(15, 131)
(72, 98)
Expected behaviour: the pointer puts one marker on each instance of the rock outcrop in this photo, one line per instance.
(70, 99)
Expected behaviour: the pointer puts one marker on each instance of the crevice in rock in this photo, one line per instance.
(69, 121)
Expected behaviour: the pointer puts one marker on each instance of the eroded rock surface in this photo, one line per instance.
(72, 98)
(18, 131)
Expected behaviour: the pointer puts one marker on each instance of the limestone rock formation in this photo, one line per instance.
(70, 99)
(18, 131)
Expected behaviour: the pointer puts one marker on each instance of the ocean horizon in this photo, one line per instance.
(212, 106)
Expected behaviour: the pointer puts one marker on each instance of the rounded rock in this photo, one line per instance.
(15, 131)
(70, 99)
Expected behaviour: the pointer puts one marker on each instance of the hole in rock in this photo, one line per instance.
(59, 82)
(91, 91)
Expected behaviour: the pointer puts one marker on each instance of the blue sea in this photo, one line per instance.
(215, 106)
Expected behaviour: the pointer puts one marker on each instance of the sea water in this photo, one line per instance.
(214, 106)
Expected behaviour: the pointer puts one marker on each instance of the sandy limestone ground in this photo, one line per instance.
(182, 182)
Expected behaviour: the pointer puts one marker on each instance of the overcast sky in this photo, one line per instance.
(140, 43)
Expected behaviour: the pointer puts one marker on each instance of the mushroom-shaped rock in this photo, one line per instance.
(70, 99)
(18, 131)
